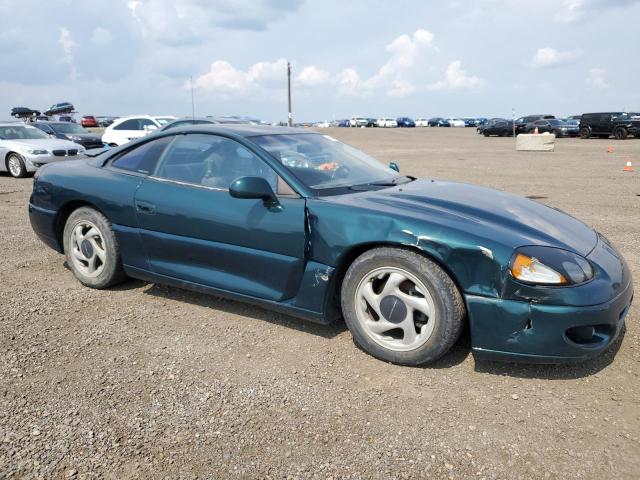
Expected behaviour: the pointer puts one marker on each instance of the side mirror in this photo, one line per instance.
(394, 166)
(150, 128)
(254, 187)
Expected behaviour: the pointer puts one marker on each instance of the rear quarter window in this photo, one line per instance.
(142, 159)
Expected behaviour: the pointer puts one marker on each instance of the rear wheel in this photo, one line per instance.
(620, 133)
(92, 250)
(401, 307)
(584, 132)
(16, 166)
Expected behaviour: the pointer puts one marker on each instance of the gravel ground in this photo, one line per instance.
(145, 381)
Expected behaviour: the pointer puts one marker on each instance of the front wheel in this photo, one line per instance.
(16, 166)
(92, 250)
(401, 307)
(584, 133)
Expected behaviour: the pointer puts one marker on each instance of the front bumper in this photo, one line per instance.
(563, 324)
(33, 162)
(510, 330)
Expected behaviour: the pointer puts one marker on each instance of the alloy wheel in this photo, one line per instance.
(88, 249)
(395, 309)
(14, 166)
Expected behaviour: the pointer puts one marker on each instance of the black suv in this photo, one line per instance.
(603, 125)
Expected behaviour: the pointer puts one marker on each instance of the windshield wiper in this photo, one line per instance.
(393, 182)
(401, 180)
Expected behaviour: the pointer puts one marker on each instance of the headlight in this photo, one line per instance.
(74, 137)
(550, 266)
(30, 151)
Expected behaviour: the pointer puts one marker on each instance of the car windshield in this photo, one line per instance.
(164, 120)
(556, 122)
(21, 132)
(322, 162)
(68, 128)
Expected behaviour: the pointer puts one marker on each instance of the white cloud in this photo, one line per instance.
(312, 76)
(192, 22)
(68, 45)
(101, 36)
(596, 78)
(405, 51)
(224, 79)
(571, 11)
(550, 57)
(456, 78)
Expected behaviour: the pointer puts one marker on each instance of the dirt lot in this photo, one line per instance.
(144, 381)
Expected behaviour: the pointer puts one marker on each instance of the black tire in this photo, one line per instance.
(620, 133)
(17, 160)
(112, 271)
(584, 133)
(485, 133)
(448, 304)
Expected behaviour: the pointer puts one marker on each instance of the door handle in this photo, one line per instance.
(144, 207)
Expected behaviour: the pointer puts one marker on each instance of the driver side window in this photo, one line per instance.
(213, 161)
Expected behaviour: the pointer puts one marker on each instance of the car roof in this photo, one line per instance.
(242, 130)
(15, 124)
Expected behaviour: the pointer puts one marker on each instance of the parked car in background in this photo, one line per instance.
(387, 122)
(422, 122)
(89, 121)
(574, 117)
(105, 121)
(25, 113)
(126, 129)
(498, 126)
(456, 122)
(71, 131)
(522, 122)
(60, 109)
(25, 148)
(605, 124)
(558, 127)
(358, 122)
(325, 124)
(438, 122)
(343, 123)
(405, 122)
(183, 122)
(470, 122)
(225, 210)
(66, 118)
(372, 122)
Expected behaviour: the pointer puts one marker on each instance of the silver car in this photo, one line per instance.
(24, 148)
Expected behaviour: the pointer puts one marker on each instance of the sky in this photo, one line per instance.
(349, 57)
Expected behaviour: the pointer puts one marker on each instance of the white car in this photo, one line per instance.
(358, 122)
(422, 122)
(456, 122)
(387, 122)
(24, 149)
(128, 128)
(323, 124)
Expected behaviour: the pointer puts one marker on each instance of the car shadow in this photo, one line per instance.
(563, 371)
(240, 308)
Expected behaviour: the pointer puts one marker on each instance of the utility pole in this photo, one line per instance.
(193, 108)
(290, 120)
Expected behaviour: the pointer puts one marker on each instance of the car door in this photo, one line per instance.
(194, 231)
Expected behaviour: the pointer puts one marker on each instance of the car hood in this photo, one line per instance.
(44, 143)
(479, 211)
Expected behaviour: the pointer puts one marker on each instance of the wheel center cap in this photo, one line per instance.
(393, 309)
(86, 248)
